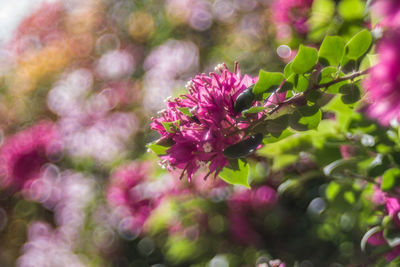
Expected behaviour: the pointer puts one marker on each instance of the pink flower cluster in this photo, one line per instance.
(392, 205)
(133, 196)
(291, 13)
(203, 122)
(23, 155)
(384, 81)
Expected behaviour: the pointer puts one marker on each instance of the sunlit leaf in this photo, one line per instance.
(267, 82)
(358, 45)
(305, 60)
(236, 177)
(331, 50)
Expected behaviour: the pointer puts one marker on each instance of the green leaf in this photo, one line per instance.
(321, 17)
(305, 60)
(351, 93)
(288, 70)
(358, 45)
(368, 61)
(171, 126)
(274, 126)
(331, 50)
(236, 177)
(305, 118)
(390, 179)
(351, 9)
(158, 149)
(329, 74)
(267, 82)
(368, 234)
(349, 197)
(301, 83)
(253, 110)
(332, 190)
(186, 111)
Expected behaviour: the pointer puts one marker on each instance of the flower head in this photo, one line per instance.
(383, 83)
(23, 155)
(203, 122)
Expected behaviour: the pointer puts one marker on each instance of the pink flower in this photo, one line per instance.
(383, 83)
(203, 122)
(23, 154)
(392, 208)
(131, 192)
(390, 12)
(242, 206)
(292, 13)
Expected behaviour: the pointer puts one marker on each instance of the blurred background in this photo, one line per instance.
(79, 82)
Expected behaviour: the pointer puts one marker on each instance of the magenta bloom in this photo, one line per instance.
(292, 13)
(203, 122)
(390, 12)
(131, 193)
(392, 205)
(23, 154)
(383, 83)
(246, 204)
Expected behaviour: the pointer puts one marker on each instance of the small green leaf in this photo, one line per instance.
(158, 149)
(351, 93)
(328, 74)
(349, 197)
(332, 190)
(186, 111)
(390, 179)
(351, 9)
(305, 60)
(301, 83)
(171, 126)
(305, 118)
(331, 50)
(358, 45)
(253, 110)
(236, 177)
(273, 126)
(267, 82)
(288, 70)
(368, 61)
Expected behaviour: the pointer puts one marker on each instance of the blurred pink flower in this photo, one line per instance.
(201, 136)
(133, 195)
(390, 12)
(292, 13)
(348, 151)
(383, 83)
(23, 154)
(392, 205)
(241, 205)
